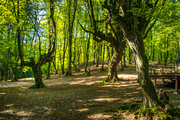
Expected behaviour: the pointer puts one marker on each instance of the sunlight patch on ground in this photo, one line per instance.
(99, 116)
(24, 113)
(9, 111)
(82, 109)
(102, 77)
(9, 105)
(83, 82)
(128, 116)
(20, 113)
(117, 86)
(17, 84)
(26, 79)
(2, 93)
(134, 92)
(79, 100)
(127, 76)
(104, 99)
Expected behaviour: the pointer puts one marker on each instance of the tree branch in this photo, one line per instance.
(101, 36)
(145, 35)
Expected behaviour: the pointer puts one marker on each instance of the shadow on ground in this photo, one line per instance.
(71, 98)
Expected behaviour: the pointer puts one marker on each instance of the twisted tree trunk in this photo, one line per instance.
(150, 97)
(115, 60)
(38, 76)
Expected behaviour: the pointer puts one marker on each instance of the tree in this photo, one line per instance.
(36, 66)
(113, 36)
(136, 18)
(71, 19)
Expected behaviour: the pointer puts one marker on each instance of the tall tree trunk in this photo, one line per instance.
(97, 54)
(153, 53)
(150, 96)
(54, 64)
(115, 60)
(94, 55)
(48, 72)
(124, 59)
(78, 60)
(130, 56)
(15, 77)
(103, 54)
(63, 59)
(87, 54)
(166, 55)
(178, 61)
(74, 52)
(70, 35)
(108, 54)
(64, 50)
(150, 52)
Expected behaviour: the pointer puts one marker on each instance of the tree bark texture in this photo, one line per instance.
(70, 34)
(38, 76)
(150, 97)
(115, 60)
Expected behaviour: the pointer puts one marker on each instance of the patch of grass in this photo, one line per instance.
(105, 81)
(159, 112)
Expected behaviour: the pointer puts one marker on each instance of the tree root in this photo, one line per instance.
(115, 79)
(105, 81)
(158, 112)
(37, 86)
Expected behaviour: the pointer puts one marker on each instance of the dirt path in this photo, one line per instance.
(72, 98)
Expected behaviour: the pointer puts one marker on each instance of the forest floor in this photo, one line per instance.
(74, 98)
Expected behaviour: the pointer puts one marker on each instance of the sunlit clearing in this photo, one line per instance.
(82, 109)
(99, 116)
(104, 99)
(2, 93)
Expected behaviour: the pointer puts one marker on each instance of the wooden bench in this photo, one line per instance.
(163, 72)
(171, 76)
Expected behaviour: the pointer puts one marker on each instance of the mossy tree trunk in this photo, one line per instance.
(115, 60)
(150, 97)
(135, 28)
(38, 76)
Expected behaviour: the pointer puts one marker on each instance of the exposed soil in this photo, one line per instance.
(74, 98)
